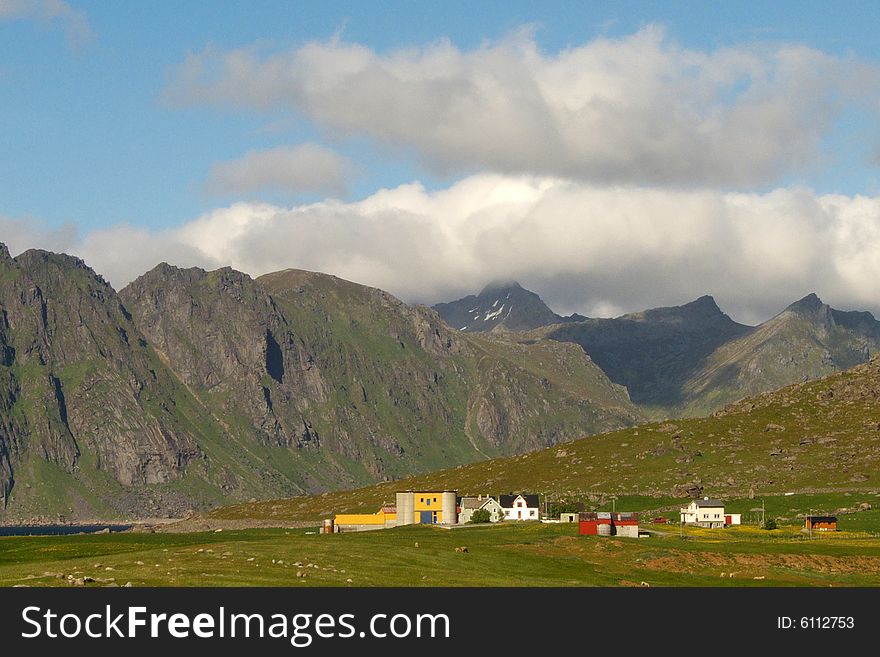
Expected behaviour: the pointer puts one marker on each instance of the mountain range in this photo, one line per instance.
(190, 388)
(693, 359)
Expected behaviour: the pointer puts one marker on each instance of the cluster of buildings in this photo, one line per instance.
(445, 507)
(439, 508)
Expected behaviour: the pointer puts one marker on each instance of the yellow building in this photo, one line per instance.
(413, 508)
(426, 508)
(358, 522)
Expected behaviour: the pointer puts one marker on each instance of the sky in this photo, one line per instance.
(609, 156)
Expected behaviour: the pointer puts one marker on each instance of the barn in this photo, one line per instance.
(604, 523)
(821, 523)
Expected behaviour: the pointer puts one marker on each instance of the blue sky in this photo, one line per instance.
(95, 136)
(88, 139)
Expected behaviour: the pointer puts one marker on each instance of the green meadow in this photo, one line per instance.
(508, 554)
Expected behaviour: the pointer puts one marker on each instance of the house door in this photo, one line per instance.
(425, 518)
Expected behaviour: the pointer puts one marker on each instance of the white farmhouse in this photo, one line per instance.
(704, 513)
(519, 507)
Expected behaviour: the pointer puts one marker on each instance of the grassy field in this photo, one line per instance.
(510, 554)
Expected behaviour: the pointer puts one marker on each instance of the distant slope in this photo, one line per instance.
(693, 359)
(498, 306)
(655, 352)
(808, 340)
(818, 436)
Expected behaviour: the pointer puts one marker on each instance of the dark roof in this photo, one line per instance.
(507, 500)
(815, 519)
(709, 502)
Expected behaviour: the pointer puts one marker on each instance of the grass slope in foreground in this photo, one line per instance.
(521, 554)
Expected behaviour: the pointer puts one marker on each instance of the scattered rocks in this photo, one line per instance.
(774, 427)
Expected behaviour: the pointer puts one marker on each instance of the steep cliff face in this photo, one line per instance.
(82, 394)
(351, 384)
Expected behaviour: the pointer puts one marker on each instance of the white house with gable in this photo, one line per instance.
(520, 507)
(708, 513)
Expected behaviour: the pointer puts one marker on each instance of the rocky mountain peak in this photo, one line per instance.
(810, 304)
(501, 286)
(4, 252)
(694, 314)
(810, 309)
(500, 305)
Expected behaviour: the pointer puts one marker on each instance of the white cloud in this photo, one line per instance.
(593, 249)
(20, 234)
(638, 109)
(306, 168)
(74, 21)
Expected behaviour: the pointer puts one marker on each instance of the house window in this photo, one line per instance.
(429, 501)
(435, 499)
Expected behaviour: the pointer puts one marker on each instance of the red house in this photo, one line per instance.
(603, 523)
(821, 523)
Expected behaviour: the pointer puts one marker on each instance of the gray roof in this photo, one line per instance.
(474, 502)
(709, 502)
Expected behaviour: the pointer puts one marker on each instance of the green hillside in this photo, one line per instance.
(820, 437)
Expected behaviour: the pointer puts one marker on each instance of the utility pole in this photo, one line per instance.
(810, 523)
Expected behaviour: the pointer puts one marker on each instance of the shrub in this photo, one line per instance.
(770, 523)
(481, 515)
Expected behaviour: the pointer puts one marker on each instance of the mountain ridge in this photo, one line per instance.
(189, 388)
(693, 358)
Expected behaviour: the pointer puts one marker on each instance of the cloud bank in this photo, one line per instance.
(639, 109)
(598, 250)
(307, 168)
(73, 21)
